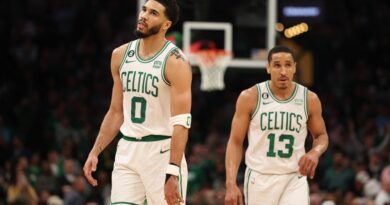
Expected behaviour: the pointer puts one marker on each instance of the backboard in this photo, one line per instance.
(248, 14)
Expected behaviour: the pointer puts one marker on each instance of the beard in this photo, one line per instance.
(152, 31)
(282, 85)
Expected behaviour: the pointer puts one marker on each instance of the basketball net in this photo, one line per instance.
(212, 65)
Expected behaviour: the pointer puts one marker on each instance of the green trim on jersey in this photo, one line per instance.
(308, 193)
(282, 101)
(180, 181)
(163, 66)
(123, 203)
(258, 101)
(151, 58)
(305, 102)
(247, 186)
(148, 138)
(124, 57)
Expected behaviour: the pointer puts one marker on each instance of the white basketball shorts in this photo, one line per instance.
(286, 189)
(139, 172)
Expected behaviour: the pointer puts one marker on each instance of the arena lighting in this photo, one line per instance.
(279, 27)
(301, 11)
(296, 30)
(310, 11)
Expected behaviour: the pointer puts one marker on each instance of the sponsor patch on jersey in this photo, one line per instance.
(265, 95)
(157, 64)
(298, 101)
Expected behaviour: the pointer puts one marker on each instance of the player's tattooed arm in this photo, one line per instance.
(177, 54)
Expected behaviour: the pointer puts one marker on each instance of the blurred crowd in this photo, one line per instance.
(55, 88)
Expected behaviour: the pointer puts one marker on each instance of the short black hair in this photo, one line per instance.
(280, 49)
(172, 10)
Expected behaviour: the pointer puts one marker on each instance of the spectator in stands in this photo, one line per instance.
(383, 197)
(20, 191)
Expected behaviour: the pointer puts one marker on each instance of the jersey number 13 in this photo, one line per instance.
(288, 140)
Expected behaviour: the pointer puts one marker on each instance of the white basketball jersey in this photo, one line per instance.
(277, 131)
(146, 92)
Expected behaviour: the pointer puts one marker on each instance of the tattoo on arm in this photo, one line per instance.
(177, 54)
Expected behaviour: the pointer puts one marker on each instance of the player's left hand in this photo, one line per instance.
(308, 163)
(171, 191)
(89, 167)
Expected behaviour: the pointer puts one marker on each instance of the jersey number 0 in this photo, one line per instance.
(140, 117)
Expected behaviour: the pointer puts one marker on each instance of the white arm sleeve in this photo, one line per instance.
(182, 119)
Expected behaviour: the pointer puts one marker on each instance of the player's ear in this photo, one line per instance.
(166, 25)
(268, 68)
(295, 67)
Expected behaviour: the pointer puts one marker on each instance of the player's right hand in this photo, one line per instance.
(308, 163)
(233, 195)
(171, 191)
(89, 167)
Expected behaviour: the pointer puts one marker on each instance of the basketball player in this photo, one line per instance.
(150, 107)
(276, 115)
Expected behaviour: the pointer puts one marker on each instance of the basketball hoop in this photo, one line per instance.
(212, 65)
